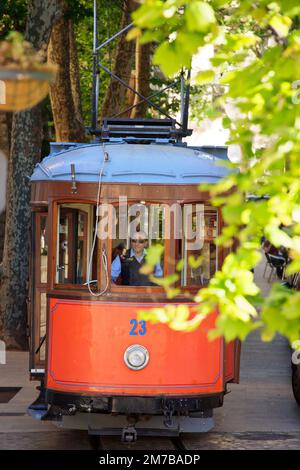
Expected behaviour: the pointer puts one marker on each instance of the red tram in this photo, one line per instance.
(102, 368)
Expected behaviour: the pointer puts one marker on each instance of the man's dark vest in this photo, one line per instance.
(130, 272)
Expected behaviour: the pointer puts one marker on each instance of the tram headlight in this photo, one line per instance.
(136, 357)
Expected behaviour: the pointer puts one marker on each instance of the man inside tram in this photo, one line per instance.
(129, 267)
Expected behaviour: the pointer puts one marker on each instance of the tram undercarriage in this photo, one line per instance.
(128, 417)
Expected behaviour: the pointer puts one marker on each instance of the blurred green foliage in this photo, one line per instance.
(13, 17)
(256, 57)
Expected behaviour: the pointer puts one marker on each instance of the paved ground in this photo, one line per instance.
(259, 413)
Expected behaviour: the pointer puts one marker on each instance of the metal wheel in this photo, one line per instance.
(296, 382)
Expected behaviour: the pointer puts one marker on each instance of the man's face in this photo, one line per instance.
(138, 244)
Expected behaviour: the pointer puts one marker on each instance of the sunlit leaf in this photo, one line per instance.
(205, 76)
(281, 24)
(199, 16)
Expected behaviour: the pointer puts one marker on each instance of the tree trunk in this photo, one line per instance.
(5, 133)
(74, 75)
(65, 92)
(142, 78)
(25, 152)
(116, 95)
(2, 234)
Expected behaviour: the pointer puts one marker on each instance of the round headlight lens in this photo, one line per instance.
(136, 357)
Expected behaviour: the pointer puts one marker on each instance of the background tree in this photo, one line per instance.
(12, 17)
(116, 98)
(141, 78)
(5, 131)
(65, 91)
(25, 152)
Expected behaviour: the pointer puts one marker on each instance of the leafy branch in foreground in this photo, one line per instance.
(259, 70)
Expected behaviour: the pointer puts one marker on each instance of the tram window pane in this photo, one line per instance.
(43, 310)
(198, 252)
(44, 249)
(75, 232)
(135, 229)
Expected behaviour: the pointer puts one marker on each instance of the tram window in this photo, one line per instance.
(136, 229)
(201, 245)
(74, 241)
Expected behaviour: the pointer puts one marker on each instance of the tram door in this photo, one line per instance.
(38, 290)
(232, 361)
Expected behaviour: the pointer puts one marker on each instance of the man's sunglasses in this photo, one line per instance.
(139, 240)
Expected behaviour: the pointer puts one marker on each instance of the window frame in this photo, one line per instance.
(55, 234)
(220, 251)
(38, 287)
(170, 259)
(115, 288)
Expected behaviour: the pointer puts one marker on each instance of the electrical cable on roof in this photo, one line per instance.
(103, 254)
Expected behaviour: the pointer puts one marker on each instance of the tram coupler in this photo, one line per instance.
(129, 434)
(168, 415)
(54, 413)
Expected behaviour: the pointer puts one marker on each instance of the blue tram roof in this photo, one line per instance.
(130, 163)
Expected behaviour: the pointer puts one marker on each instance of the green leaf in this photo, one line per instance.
(195, 262)
(277, 237)
(180, 265)
(173, 292)
(165, 282)
(245, 306)
(281, 24)
(133, 34)
(199, 16)
(206, 76)
(169, 58)
(154, 253)
(149, 15)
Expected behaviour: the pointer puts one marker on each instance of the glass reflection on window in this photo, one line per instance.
(133, 233)
(204, 263)
(44, 249)
(74, 241)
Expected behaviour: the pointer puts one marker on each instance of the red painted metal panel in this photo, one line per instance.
(86, 346)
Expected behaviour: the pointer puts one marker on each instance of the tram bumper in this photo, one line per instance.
(146, 425)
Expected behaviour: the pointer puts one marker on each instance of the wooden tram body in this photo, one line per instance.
(86, 382)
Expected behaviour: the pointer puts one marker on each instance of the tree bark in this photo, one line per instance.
(2, 233)
(5, 133)
(142, 78)
(65, 92)
(25, 152)
(75, 75)
(116, 96)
